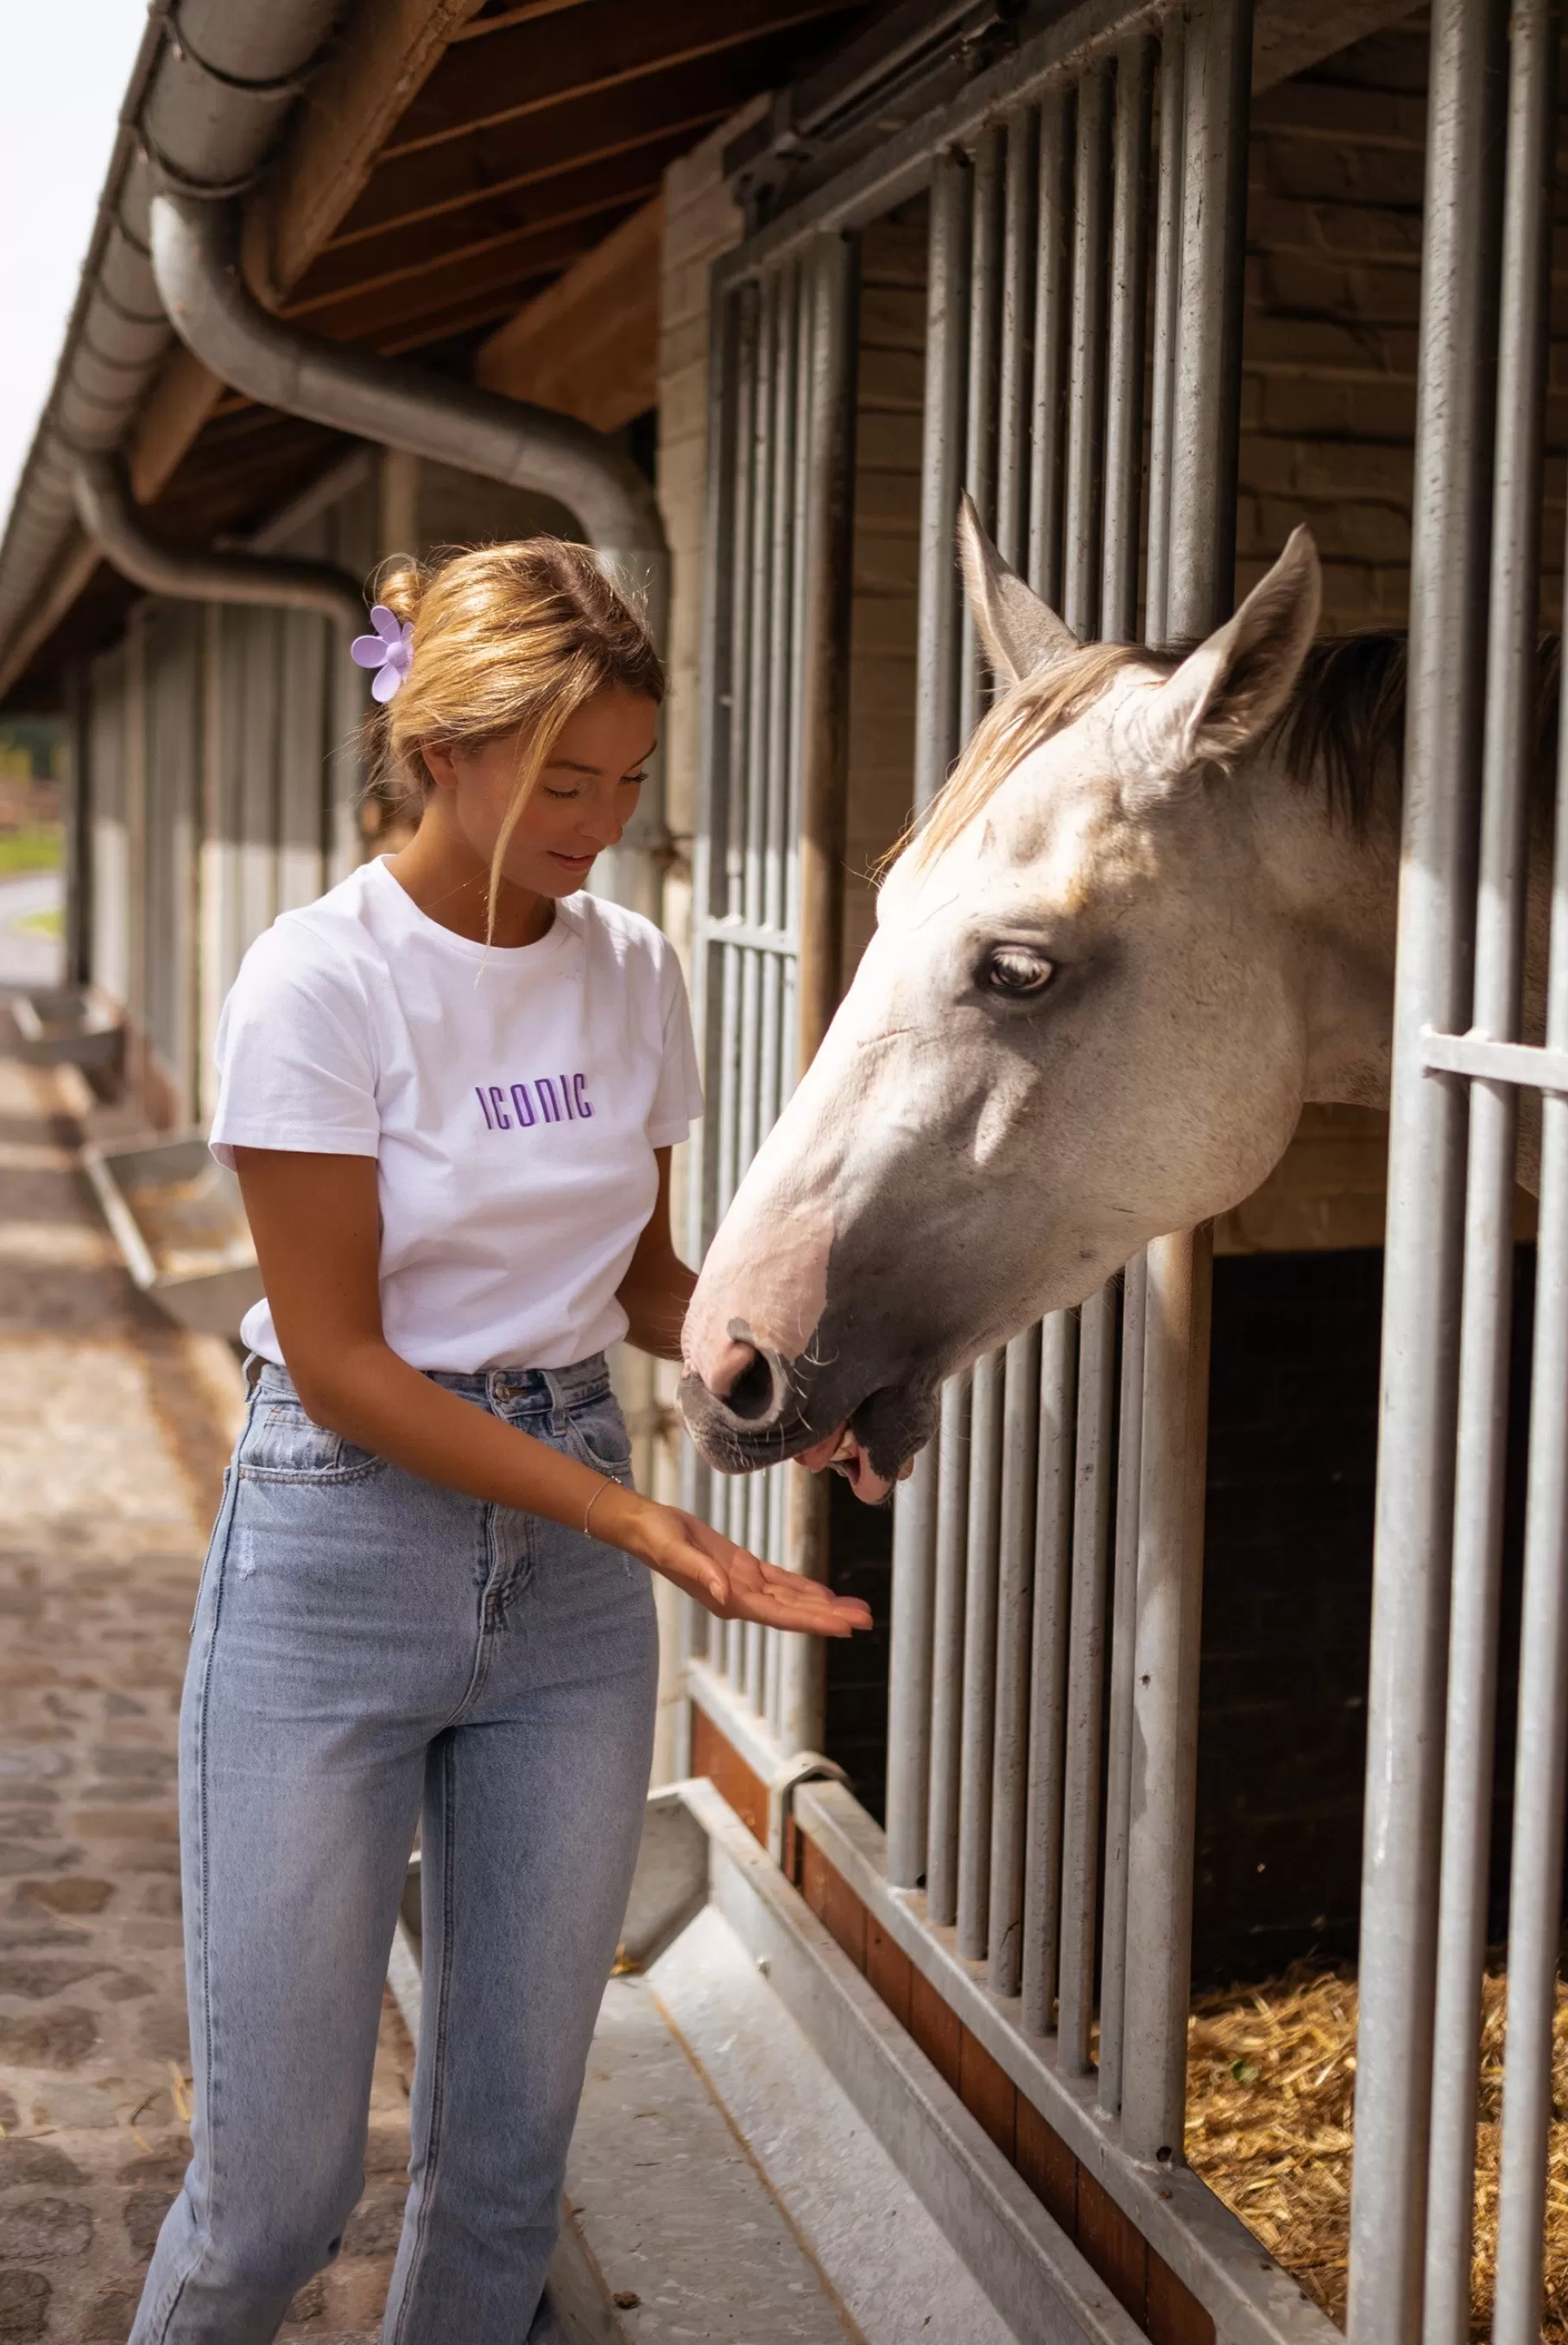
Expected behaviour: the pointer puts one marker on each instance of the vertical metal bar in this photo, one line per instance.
(979, 1726)
(1086, 366)
(1507, 757)
(947, 1650)
(1048, 397)
(980, 433)
(1413, 1542)
(1085, 1680)
(1020, 188)
(1048, 1668)
(1165, 1704)
(918, 1621)
(1205, 410)
(1167, 314)
(760, 648)
(1129, 261)
(909, 1672)
(784, 555)
(942, 473)
(1010, 1765)
(825, 681)
(1124, 1635)
(1540, 1754)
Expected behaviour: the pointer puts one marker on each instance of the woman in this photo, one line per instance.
(450, 1089)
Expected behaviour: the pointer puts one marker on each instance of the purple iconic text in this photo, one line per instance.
(543, 1099)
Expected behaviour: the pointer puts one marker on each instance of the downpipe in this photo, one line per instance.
(195, 260)
(109, 513)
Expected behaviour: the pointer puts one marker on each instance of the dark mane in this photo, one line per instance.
(1347, 716)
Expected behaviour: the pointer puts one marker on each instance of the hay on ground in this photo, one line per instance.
(1271, 2077)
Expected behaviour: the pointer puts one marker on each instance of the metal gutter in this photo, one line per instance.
(209, 89)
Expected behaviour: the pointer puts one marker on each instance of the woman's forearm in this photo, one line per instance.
(374, 1398)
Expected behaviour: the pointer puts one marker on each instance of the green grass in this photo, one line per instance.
(34, 847)
(43, 924)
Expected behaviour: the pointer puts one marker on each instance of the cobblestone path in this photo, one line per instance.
(113, 1432)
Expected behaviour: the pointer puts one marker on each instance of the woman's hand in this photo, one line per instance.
(734, 1585)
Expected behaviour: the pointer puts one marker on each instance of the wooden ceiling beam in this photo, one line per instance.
(589, 344)
(623, 40)
(438, 180)
(477, 28)
(444, 242)
(378, 312)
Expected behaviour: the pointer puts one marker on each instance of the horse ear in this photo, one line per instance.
(1231, 689)
(1021, 633)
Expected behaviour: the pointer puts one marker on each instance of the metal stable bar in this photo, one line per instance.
(1204, 424)
(979, 1727)
(912, 1693)
(1129, 261)
(1123, 1637)
(1167, 314)
(1507, 757)
(1413, 1541)
(1048, 1668)
(1015, 1608)
(1053, 276)
(1019, 193)
(1086, 364)
(947, 1664)
(1540, 1751)
(980, 425)
(1086, 1680)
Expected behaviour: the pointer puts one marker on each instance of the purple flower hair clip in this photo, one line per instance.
(389, 649)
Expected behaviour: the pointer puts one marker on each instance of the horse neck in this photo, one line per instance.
(1334, 885)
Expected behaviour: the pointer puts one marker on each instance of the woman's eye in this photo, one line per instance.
(1015, 970)
(550, 792)
(633, 781)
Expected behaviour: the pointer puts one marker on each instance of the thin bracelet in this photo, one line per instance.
(604, 1486)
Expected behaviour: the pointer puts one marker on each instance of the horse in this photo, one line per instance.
(1149, 916)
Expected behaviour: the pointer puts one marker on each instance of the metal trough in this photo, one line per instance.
(178, 1221)
(74, 1025)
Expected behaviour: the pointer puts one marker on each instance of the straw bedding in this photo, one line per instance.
(1272, 2074)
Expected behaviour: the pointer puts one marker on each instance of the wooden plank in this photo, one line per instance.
(888, 1970)
(530, 68)
(589, 344)
(987, 2091)
(353, 107)
(714, 1756)
(1113, 2244)
(490, 284)
(833, 1902)
(935, 2026)
(1175, 2317)
(1047, 2166)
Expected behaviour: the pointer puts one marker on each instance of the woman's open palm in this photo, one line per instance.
(735, 1585)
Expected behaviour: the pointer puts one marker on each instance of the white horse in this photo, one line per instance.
(1151, 916)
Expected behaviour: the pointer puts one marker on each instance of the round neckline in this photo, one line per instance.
(559, 933)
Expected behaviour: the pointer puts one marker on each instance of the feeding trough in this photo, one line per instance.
(178, 1221)
(69, 1025)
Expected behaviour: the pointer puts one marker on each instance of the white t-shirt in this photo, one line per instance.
(512, 1097)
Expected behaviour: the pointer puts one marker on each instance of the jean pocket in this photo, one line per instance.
(598, 1433)
(281, 1444)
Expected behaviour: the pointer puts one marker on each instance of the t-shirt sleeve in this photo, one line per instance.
(678, 1102)
(295, 1064)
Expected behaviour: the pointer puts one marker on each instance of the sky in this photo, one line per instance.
(66, 67)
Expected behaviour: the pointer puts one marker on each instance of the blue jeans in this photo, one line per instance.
(371, 1653)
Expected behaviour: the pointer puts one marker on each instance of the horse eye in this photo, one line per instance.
(1014, 971)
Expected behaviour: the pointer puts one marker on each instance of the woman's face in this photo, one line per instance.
(583, 800)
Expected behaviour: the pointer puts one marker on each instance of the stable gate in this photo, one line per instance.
(1086, 210)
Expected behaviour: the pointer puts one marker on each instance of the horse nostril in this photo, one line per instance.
(752, 1395)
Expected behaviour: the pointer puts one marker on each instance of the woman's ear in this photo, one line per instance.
(440, 764)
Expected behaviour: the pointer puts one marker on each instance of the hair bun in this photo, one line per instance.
(400, 583)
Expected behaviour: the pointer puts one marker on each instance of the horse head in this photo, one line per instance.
(1081, 1023)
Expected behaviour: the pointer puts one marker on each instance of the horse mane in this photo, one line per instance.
(1343, 724)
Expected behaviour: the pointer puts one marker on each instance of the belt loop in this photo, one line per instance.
(560, 1404)
(254, 1365)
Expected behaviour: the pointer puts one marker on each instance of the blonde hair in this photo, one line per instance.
(506, 639)
(1030, 713)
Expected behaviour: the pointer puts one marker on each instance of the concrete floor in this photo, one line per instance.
(113, 1432)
